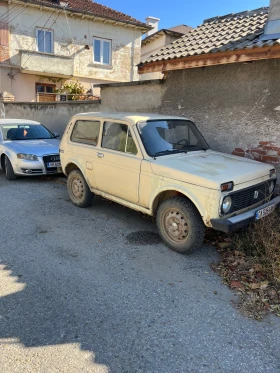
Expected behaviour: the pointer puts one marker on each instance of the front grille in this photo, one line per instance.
(247, 197)
(49, 158)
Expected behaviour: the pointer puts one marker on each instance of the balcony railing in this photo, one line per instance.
(33, 62)
(62, 97)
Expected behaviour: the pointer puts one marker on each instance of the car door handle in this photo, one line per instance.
(100, 155)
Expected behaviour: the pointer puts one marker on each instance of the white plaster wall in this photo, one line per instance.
(151, 48)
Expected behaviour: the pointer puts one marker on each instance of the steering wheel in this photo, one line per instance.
(183, 142)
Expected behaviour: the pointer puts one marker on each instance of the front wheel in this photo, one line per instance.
(9, 171)
(78, 189)
(180, 225)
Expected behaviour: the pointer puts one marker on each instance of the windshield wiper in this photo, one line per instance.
(174, 151)
(195, 146)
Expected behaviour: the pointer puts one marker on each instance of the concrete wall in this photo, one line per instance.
(140, 96)
(54, 116)
(237, 106)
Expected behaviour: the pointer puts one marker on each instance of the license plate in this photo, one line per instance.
(53, 164)
(265, 211)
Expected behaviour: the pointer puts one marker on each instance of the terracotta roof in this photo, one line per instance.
(220, 34)
(91, 7)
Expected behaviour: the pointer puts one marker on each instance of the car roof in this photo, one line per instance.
(131, 117)
(17, 121)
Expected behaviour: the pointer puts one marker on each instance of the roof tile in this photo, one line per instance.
(89, 6)
(227, 33)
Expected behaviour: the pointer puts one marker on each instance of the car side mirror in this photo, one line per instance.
(56, 135)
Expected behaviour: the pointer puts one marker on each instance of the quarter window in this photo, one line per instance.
(45, 40)
(86, 132)
(102, 51)
(117, 136)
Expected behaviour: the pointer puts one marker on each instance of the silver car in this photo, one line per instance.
(27, 148)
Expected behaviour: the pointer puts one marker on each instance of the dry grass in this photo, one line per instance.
(250, 265)
(261, 242)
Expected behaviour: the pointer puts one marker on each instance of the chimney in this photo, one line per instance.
(272, 28)
(153, 22)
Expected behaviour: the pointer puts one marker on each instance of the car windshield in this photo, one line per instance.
(25, 132)
(161, 137)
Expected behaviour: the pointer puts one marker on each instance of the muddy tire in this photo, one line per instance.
(9, 172)
(78, 190)
(180, 225)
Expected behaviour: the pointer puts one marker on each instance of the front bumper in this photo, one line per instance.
(32, 168)
(239, 221)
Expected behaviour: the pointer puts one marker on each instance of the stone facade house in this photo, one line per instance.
(43, 43)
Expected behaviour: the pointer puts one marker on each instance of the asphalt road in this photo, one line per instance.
(94, 290)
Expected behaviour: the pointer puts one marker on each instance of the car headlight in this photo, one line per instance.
(271, 187)
(28, 157)
(226, 205)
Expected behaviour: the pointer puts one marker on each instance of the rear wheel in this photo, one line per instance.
(78, 189)
(180, 225)
(9, 172)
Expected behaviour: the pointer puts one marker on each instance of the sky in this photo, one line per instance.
(177, 12)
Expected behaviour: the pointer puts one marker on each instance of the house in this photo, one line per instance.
(44, 43)
(223, 75)
(157, 39)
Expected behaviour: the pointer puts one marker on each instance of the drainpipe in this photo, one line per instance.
(272, 28)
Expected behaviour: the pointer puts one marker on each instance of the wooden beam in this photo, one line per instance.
(211, 59)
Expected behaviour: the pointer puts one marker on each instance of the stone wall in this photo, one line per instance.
(53, 115)
(236, 106)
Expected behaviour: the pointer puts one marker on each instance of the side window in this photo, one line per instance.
(86, 132)
(117, 136)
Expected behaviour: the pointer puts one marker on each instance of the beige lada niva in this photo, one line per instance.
(162, 166)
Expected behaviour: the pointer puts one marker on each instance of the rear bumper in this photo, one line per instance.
(239, 221)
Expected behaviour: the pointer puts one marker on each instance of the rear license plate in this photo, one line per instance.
(265, 211)
(53, 164)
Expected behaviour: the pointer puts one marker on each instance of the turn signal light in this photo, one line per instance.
(226, 187)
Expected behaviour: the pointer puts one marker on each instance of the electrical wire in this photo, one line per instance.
(17, 62)
(68, 25)
(43, 37)
(10, 20)
(24, 32)
(5, 16)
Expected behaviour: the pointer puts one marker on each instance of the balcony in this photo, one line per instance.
(33, 62)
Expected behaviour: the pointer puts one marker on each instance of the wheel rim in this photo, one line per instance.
(175, 225)
(77, 188)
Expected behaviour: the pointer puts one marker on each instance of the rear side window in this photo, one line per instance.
(86, 132)
(117, 136)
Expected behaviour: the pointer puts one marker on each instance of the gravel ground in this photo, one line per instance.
(94, 290)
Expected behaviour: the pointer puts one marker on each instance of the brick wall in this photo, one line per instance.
(265, 151)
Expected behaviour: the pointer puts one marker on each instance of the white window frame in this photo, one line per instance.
(52, 39)
(101, 51)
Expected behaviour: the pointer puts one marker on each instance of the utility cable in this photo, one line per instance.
(33, 41)
(7, 20)
(43, 37)
(5, 16)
